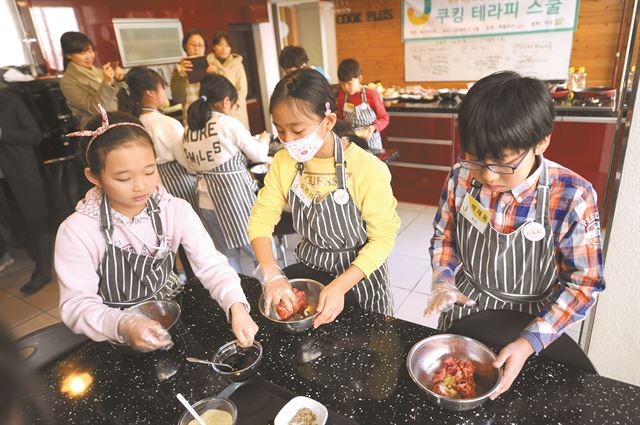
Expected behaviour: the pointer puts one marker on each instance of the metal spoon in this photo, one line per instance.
(219, 365)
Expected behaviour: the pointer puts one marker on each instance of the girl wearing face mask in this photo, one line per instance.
(144, 98)
(340, 198)
(217, 146)
(230, 65)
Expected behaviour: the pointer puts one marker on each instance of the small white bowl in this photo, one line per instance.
(289, 410)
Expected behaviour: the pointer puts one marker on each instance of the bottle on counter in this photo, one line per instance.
(582, 78)
(571, 78)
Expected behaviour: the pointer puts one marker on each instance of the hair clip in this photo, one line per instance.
(100, 130)
(203, 98)
(327, 109)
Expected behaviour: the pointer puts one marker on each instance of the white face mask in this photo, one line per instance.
(304, 148)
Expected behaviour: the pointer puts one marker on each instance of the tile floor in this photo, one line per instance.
(409, 267)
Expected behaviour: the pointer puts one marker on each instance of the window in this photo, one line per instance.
(51, 23)
(13, 48)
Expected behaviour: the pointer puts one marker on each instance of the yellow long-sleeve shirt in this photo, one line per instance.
(368, 182)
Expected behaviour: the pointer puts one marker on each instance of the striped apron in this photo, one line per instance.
(179, 182)
(363, 115)
(505, 271)
(333, 233)
(233, 192)
(127, 278)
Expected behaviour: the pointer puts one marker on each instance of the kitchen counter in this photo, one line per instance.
(355, 366)
(451, 107)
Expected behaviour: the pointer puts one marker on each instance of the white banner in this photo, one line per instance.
(442, 19)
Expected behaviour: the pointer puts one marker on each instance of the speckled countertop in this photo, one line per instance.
(355, 366)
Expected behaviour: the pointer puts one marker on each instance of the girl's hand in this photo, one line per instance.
(370, 130)
(512, 357)
(330, 303)
(184, 66)
(212, 69)
(118, 72)
(108, 73)
(242, 325)
(142, 333)
(264, 137)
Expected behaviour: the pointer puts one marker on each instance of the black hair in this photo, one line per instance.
(74, 42)
(505, 111)
(311, 91)
(348, 70)
(214, 88)
(189, 34)
(293, 57)
(139, 79)
(111, 139)
(221, 35)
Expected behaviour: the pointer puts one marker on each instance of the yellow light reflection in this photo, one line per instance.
(76, 384)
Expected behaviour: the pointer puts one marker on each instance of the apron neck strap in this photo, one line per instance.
(340, 163)
(542, 196)
(106, 218)
(364, 96)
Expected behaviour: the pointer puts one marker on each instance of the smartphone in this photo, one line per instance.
(199, 69)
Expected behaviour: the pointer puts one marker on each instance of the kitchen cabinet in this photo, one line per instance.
(429, 143)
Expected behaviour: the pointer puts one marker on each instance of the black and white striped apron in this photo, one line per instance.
(332, 235)
(179, 182)
(127, 278)
(505, 271)
(363, 115)
(233, 192)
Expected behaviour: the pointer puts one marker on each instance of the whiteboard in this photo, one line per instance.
(543, 55)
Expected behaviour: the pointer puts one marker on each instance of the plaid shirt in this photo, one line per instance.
(576, 229)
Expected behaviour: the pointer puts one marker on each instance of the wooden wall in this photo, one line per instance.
(379, 48)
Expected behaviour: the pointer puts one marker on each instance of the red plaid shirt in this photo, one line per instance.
(575, 224)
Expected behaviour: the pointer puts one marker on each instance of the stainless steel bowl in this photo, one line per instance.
(427, 355)
(251, 359)
(166, 312)
(297, 323)
(210, 403)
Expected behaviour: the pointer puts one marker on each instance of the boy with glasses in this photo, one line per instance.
(514, 231)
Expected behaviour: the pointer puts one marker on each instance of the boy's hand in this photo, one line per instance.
(512, 357)
(442, 298)
(242, 325)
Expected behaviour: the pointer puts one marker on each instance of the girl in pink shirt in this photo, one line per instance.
(118, 248)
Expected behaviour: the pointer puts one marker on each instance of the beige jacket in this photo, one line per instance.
(234, 72)
(84, 89)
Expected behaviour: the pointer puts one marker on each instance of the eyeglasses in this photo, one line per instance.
(495, 168)
(196, 45)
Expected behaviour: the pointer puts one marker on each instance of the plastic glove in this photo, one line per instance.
(276, 288)
(242, 325)
(442, 298)
(143, 334)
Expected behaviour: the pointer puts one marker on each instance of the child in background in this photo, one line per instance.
(361, 106)
(144, 99)
(341, 202)
(118, 248)
(293, 58)
(514, 230)
(218, 145)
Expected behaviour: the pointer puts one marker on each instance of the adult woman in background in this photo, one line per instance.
(231, 67)
(84, 85)
(182, 91)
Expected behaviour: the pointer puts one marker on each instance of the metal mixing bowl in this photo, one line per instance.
(252, 353)
(166, 312)
(427, 355)
(297, 323)
(210, 403)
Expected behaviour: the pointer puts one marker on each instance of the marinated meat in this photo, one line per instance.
(454, 379)
(300, 305)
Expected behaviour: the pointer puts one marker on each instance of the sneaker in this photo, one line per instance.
(5, 261)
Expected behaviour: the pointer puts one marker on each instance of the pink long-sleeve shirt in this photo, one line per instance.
(80, 246)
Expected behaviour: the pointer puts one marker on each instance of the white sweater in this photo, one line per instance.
(166, 134)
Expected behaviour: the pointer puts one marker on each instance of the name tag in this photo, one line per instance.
(297, 190)
(348, 107)
(473, 211)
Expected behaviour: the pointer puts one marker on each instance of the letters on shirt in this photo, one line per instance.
(200, 155)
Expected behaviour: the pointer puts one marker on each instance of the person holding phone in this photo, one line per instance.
(185, 84)
(84, 85)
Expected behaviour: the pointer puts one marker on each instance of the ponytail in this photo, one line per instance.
(138, 80)
(213, 89)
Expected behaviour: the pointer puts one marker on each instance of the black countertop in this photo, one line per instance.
(355, 366)
(451, 107)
